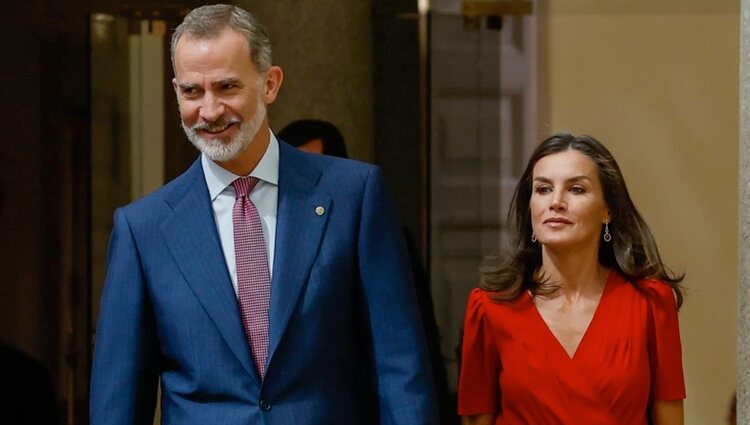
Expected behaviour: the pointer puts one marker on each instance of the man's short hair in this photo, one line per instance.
(209, 21)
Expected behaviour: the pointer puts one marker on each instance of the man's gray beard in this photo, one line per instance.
(218, 151)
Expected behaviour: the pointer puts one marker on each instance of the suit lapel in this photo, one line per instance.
(300, 226)
(191, 235)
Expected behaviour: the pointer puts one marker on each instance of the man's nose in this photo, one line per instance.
(212, 108)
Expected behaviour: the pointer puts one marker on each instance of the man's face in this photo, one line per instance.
(221, 96)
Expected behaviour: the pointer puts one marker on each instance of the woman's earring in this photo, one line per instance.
(607, 236)
(533, 238)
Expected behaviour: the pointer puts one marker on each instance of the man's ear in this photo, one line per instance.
(272, 84)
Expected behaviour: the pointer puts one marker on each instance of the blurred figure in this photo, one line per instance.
(27, 390)
(28, 395)
(315, 136)
(322, 137)
(580, 325)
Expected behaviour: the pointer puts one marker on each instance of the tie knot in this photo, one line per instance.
(244, 185)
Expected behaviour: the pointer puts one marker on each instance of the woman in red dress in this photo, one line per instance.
(580, 325)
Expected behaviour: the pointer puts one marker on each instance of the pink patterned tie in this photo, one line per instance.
(253, 277)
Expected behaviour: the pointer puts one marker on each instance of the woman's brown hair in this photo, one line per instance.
(632, 250)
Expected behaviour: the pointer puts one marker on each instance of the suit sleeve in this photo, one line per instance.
(402, 367)
(124, 373)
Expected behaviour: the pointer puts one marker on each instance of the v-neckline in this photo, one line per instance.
(591, 323)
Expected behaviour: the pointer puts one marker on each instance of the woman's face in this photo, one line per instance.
(567, 202)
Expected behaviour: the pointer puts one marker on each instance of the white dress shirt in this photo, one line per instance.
(265, 196)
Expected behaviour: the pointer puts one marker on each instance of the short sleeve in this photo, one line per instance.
(665, 348)
(478, 387)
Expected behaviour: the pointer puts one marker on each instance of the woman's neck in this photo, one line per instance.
(574, 273)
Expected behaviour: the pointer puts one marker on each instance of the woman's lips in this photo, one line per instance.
(557, 222)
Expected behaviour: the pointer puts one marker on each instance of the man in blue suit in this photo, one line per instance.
(335, 337)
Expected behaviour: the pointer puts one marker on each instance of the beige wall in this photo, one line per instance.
(660, 89)
(325, 50)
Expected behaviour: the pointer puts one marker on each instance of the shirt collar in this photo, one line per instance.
(267, 170)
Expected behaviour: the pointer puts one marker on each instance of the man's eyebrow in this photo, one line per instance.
(187, 86)
(225, 81)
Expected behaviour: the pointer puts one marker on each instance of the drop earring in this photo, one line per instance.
(533, 238)
(607, 237)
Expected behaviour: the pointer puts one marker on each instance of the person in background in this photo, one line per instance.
(264, 285)
(323, 137)
(27, 391)
(315, 136)
(580, 325)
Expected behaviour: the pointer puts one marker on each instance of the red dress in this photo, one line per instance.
(515, 368)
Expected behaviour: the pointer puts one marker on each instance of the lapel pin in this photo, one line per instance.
(320, 210)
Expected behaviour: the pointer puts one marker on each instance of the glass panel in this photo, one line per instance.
(127, 124)
(482, 125)
(110, 136)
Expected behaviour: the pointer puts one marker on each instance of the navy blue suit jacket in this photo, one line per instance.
(346, 342)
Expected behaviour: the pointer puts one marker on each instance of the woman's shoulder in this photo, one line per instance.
(482, 301)
(654, 286)
(475, 304)
(650, 290)
(484, 296)
(658, 292)
(484, 311)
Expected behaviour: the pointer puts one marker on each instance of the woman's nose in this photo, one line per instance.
(558, 202)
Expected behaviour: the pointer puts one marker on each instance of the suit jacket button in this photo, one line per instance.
(265, 406)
